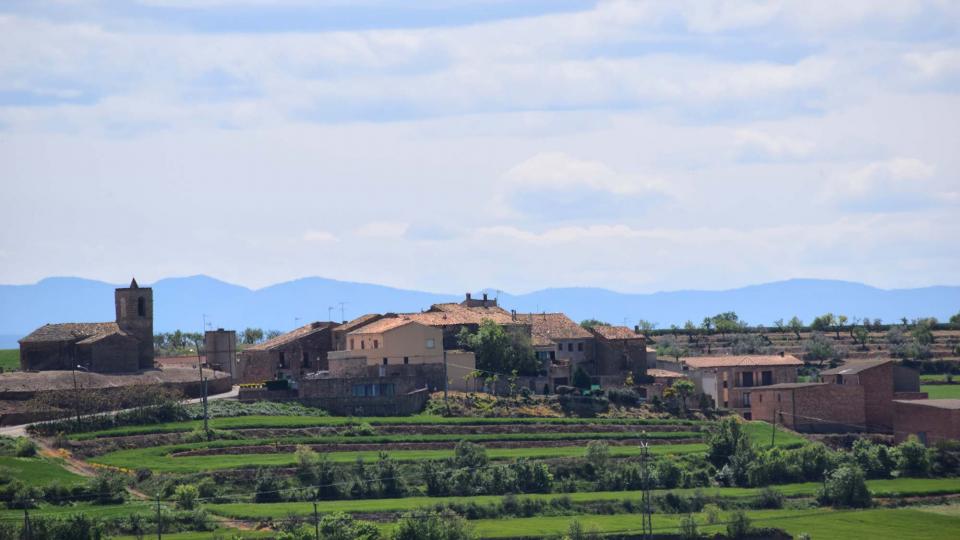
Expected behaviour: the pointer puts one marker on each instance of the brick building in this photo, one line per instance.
(125, 345)
(857, 396)
(731, 380)
(618, 351)
(931, 420)
(288, 356)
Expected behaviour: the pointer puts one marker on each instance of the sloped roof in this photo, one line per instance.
(938, 403)
(293, 335)
(664, 374)
(358, 322)
(852, 367)
(615, 332)
(699, 362)
(70, 332)
(546, 328)
(383, 325)
(98, 337)
(447, 314)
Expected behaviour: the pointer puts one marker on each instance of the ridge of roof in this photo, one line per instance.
(292, 335)
(852, 367)
(69, 332)
(699, 362)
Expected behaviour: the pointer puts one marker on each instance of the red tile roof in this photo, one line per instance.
(615, 332)
(664, 374)
(291, 336)
(546, 328)
(70, 332)
(449, 314)
(382, 325)
(699, 362)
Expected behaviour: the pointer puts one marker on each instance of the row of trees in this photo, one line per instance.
(178, 341)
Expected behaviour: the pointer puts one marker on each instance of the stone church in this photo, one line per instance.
(110, 347)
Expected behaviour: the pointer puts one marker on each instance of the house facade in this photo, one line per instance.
(931, 420)
(288, 356)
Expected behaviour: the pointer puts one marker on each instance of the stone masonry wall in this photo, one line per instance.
(931, 423)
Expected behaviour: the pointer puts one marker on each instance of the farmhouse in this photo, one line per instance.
(287, 356)
(125, 345)
(931, 420)
(730, 380)
(618, 351)
(857, 396)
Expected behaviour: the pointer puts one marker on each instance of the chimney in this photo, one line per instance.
(513, 313)
(781, 354)
(484, 298)
(468, 297)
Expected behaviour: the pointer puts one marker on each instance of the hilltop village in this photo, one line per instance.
(404, 425)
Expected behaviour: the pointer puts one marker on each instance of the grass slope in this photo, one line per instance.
(879, 488)
(10, 359)
(38, 471)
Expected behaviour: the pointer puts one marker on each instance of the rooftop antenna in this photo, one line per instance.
(329, 313)
(342, 317)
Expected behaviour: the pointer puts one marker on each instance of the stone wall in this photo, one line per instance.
(43, 356)
(818, 408)
(616, 357)
(878, 396)
(930, 424)
(111, 354)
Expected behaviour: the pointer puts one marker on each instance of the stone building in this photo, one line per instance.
(220, 349)
(731, 380)
(931, 420)
(125, 345)
(618, 351)
(287, 356)
(857, 396)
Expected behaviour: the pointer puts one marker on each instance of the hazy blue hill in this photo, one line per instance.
(183, 302)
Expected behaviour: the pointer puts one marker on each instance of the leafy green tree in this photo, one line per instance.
(955, 319)
(341, 526)
(469, 455)
(841, 322)
(646, 326)
(669, 346)
(684, 388)
(820, 349)
(590, 323)
(252, 336)
(107, 487)
(725, 440)
(688, 528)
(796, 326)
(860, 336)
(598, 457)
(499, 351)
(914, 458)
(845, 487)
(424, 525)
(186, 496)
(738, 525)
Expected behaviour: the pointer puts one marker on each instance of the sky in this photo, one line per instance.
(460, 144)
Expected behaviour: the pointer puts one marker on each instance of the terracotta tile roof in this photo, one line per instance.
(291, 336)
(938, 403)
(98, 337)
(664, 374)
(852, 367)
(788, 386)
(615, 332)
(383, 325)
(70, 332)
(699, 362)
(546, 328)
(358, 322)
(448, 314)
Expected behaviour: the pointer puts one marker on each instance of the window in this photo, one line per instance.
(385, 362)
(766, 378)
(351, 344)
(376, 344)
(747, 378)
(406, 359)
(142, 306)
(283, 359)
(760, 398)
(373, 390)
(746, 399)
(560, 347)
(431, 343)
(306, 359)
(747, 416)
(569, 347)
(778, 397)
(839, 379)
(363, 344)
(580, 346)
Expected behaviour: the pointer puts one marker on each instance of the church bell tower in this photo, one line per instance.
(134, 306)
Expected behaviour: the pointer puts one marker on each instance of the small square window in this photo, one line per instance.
(580, 346)
(569, 347)
(406, 359)
(376, 344)
(384, 361)
(431, 343)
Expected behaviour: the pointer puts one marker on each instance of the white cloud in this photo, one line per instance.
(556, 170)
(754, 143)
(319, 236)
(934, 65)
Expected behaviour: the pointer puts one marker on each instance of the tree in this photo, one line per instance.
(341, 526)
(860, 336)
(499, 351)
(739, 526)
(684, 388)
(914, 457)
(646, 326)
(749, 344)
(796, 325)
(727, 321)
(590, 323)
(424, 525)
(598, 457)
(252, 335)
(186, 496)
(780, 325)
(823, 323)
(272, 334)
(955, 319)
(581, 379)
(845, 487)
(671, 347)
(841, 321)
(820, 349)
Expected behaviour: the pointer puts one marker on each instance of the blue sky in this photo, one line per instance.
(454, 145)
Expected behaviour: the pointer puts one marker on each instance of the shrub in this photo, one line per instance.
(688, 527)
(341, 526)
(421, 525)
(576, 531)
(846, 487)
(712, 513)
(268, 487)
(914, 458)
(108, 487)
(738, 526)
(185, 496)
(469, 455)
(623, 397)
(597, 456)
(769, 498)
(25, 447)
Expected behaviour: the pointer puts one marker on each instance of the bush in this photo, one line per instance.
(712, 513)
(688, 527)
(769, 498)
(846, 487)
(25, 447)
(185, 496)
(738, 526)
(108, 487)
(268, 487)
(914, 458)
(576, 531)
(421, 525)
(623, 397)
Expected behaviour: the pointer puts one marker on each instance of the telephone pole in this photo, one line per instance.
(316, 520)
(159, 520)
(773, 432)
(27, 528)
(445, 380)
(645, 480)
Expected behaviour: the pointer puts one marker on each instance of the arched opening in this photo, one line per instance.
(142, 306)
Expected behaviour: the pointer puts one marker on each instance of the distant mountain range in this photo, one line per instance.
(186, 302)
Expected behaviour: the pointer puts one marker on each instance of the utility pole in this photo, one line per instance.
(159, 520)
(206, 415)
(342, 318)
(645, 480)
(27, 528)
(76, 397)
(773, 432)
(316, 520)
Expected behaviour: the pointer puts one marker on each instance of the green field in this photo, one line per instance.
(292, 422)
(10, 359)
(902, 524)
(879, 488)
(941, 391)
(39, 471)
